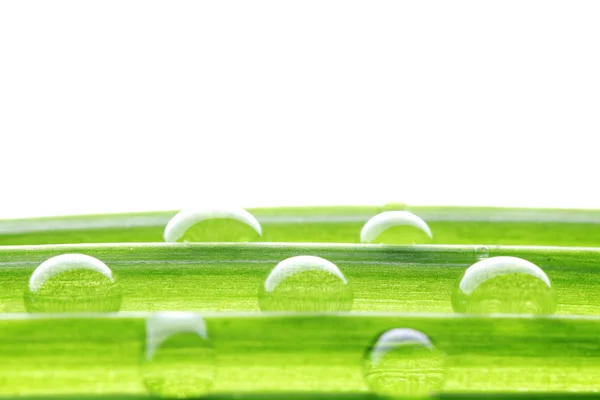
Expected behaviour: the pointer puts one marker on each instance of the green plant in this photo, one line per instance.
(233, 347)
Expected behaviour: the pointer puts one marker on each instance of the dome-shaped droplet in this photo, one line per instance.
(404, 362)
(395, 227)
(213, 225)
(73, 283)
(393, 206)
(508, 285)
(481, 252)
(178, 360)
(306, 284)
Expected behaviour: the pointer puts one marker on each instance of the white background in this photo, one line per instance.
(139, 105)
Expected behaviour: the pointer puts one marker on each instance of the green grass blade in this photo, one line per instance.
(226, 277)
(258, 353)
(450, 225)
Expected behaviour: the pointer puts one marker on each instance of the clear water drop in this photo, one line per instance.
(508, 285)
(73, 283)
(393, 206)
(404, 363)
(482, 252)
(306, 284)
(178, 360)
(213, 225)
(395, 227)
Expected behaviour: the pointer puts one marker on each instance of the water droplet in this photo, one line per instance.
(179, 360)
(213, 225)
(393, 206)
(73, 283)
(404, 362)
(482, 252)
(507, 285)
(306, 284)
(395, 227)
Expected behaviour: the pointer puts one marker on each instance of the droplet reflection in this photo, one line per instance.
(306, 284)
(504, 284)
(404, 362)
(395, 227)
(73, 283)
(213, 225)
(179, 360)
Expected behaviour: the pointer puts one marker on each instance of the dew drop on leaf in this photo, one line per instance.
(404, 363)
(395, 227)
(481, 252)
(507, 285)
(213, 225)
(393, 206)
(73, 283)
(306, 284)
(178, 359)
